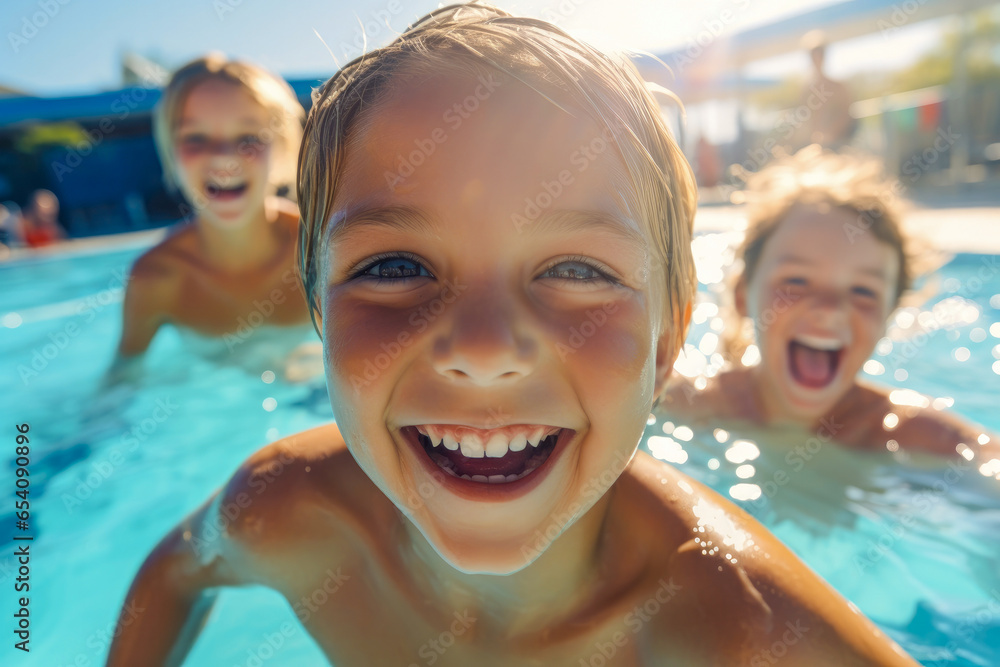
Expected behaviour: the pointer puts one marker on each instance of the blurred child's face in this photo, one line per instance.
(491, 348)
(819, 302)
(222, 159)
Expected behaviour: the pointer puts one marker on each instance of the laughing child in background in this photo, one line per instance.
(825, 263)
(227, 133)
(471, 193)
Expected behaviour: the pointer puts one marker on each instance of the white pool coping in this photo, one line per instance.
(953, 230)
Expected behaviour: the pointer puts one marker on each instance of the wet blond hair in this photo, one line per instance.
(474, 39)
(269, 91)
(824, 179)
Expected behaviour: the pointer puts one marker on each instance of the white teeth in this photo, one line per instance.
(472, 446)
(512, 478)
(497, 479)
(497, 446)
(819, 342)
(434, 436)
(480, 478)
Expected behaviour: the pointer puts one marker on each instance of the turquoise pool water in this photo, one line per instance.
(111, 474)
(914, 542)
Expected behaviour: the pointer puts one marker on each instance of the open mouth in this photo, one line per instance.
(225, 192)
(494, 456)
(813, 361)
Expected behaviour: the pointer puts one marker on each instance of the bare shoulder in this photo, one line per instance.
(740, 591)
(288, 211)
(153, 292)
(287, 219)
(913, 422)
(682, 397)
(726, 396)
(162, 268)
(306, 488)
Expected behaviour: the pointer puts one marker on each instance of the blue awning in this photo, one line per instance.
(116, 105)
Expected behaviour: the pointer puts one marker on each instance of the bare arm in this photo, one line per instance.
(172, 594)
(142, 314)
(248, 533)
(148, 300)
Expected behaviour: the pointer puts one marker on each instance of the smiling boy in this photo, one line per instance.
(825, 262)
(481, 498)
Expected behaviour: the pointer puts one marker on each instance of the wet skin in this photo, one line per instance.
(239, 251)
(622, 577)
(815, 280)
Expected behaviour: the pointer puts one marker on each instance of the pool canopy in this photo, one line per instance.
(113, 104)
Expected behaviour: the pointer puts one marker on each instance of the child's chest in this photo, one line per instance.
(363, 617)
(218, 305)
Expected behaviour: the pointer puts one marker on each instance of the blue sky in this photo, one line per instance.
(76, 46)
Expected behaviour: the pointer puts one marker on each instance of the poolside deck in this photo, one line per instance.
(973, 229)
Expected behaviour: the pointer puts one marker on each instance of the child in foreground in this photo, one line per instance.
(472, 194)
(825, 263)
(226, 132)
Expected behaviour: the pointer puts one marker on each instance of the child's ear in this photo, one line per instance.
(670, 343)
(740, 297)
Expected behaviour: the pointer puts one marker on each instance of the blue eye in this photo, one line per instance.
(577, 271)
(865, 292)
(392, 268)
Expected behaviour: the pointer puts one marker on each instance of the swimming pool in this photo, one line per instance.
(912, 541)
(111, 474)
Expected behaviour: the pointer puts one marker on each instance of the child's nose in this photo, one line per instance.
(482, 345)
(224, 162)
(829, 306)
(224, 151)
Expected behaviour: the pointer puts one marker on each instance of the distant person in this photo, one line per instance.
(227, 133)
(11, 232)
(40, 220)
(708, 167)
(825, 262)
(829, 123)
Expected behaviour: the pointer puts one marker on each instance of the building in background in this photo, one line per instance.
(95, 152)
(935, 122)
